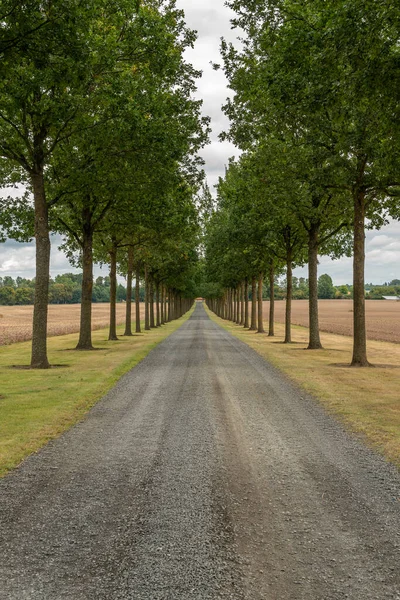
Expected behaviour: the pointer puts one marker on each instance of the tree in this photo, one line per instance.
(325, 287)
(96, 205)
(49, 91)
(318, 73)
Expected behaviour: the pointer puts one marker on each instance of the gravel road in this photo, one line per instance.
(204, 474)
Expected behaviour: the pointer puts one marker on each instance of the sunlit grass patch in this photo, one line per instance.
(38, 405)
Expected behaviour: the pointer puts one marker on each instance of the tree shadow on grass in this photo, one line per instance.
(373, 366)
(29, 368)
(290, 344)
(80, 349)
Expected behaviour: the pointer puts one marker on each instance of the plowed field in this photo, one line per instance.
(16, 321)
(336, 316)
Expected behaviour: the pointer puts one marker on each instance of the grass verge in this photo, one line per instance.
(366, 400)
(38, 405)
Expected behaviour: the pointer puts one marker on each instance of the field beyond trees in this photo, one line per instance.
(16, 321)
(336, 316)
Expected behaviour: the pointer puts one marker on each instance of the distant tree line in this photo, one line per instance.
(67, 289)
(63, 289)
(326, 289)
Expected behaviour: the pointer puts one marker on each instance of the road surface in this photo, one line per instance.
(204, 474)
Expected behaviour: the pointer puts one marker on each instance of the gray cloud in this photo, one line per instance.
(382, 258)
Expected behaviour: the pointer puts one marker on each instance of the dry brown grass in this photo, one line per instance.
(336, 316)
(16, 321)
(366, 400)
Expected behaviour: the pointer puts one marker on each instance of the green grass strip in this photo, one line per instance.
(38, 405)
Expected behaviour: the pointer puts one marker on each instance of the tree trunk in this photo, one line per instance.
(271, 331)
(146, 299)
(314, 342)
(289, 289)
(260, 328)
(169, 305)
(253, 324)
(40, 308)
(242, 303)
(151, 291)
(162, 304)
(237, 304)
(85, 330)
(246, 303)
(158, 316)
(359, 328)
(137, 300)
(129, 277)
(113, 294)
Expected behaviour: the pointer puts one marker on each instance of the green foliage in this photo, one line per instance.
(378, 292)
(98, 119)
(64, 289)
(325, 287)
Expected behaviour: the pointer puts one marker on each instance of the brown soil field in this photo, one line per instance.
(336, 316)
(16, 321)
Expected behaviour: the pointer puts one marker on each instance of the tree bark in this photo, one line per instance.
(260, 328)
(151, 292)
(271, 325)
(113, 293)
(137, 300)
(40, 308)
(146, 299)
(359, 328)
(237, 305)
(289, 289)
(253, 324)
(129, 277)
(85, 330)
(169, 305)
(314, 342)
(162, 304)
(246, 303)
(242, 303)
(158, 316)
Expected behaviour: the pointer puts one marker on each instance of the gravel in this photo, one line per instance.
(203, 474)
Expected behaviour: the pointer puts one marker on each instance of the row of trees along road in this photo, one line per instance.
(316, 111)
(98, 122)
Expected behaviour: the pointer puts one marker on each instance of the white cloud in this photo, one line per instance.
(18, 259)
(380, 240)
(382, 258)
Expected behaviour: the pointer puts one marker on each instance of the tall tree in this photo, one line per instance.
(47, 92)
(325, 74)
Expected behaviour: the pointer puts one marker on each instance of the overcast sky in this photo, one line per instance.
(211, 19)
